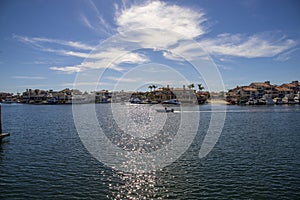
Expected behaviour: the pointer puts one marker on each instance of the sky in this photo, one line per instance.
(129, 45)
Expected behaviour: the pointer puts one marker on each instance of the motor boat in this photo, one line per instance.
(172, 102)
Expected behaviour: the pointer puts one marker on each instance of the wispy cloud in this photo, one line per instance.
(122, 79)
(259, 45)
(86, 22)
(30, 77)
(39, 41)
(76, 85)
(84, 84)
(67, 69)
(286, 55)
(226, 46)
(111, 58)
(96, 21)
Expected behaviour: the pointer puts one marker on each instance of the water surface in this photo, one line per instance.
(256, 157)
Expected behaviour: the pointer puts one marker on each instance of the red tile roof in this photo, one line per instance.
(280, 88)
(247, 88)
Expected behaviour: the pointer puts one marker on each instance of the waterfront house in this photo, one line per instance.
(162, 94)
(4, 96)
(259, 90)
(262, 88)
(121, 96)
(293, 86)
(103, 96)
(185, 95)
(281, 92)
(247, 92)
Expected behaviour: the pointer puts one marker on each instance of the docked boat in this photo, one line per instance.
(268, 99)
(172, 102)
(135, 101)
(253, 101)
(278, 101)
(297, 98)
(52, 100)
(289, 99)
(154, 102)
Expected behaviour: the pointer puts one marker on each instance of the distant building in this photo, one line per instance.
(5, 96)
(257, 90)
(185, 95)
(262, 88)
(294, 86)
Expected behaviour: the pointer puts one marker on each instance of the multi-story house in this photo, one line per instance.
(294, 86)
(262, 88)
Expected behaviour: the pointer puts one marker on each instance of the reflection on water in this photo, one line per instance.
(135, 186)
(138, 127)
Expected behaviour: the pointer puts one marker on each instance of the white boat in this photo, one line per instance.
(172, 102)
(289, 99)
(285, 99)
(297, 98)
(52, 100)
(278, 101)
(135, 101)
(268, 99)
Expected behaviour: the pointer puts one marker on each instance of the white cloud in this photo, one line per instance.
(286, 55)
(97, 22)
(84, 84)
(159, 25)
(186, 50)
(38, 41)
(66, 69)
(111, 58)
(160, 15)
(259, 45)
(86, 22)
(122, 79)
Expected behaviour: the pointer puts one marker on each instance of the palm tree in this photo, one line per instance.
(190, 86)
(154, 86)
(200, 87)
(150, 87)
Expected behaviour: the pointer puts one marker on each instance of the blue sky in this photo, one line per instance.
(129, 44)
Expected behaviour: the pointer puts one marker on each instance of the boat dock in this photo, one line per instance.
(2, 135)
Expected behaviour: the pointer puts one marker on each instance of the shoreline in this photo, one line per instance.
(217, 101)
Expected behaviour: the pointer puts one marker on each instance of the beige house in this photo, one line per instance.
(259, 89)
(185, 95)
(294, 86)
(282, 91)
(263, 88)
(247, 92)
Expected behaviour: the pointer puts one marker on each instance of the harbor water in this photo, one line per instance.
(255, 157)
